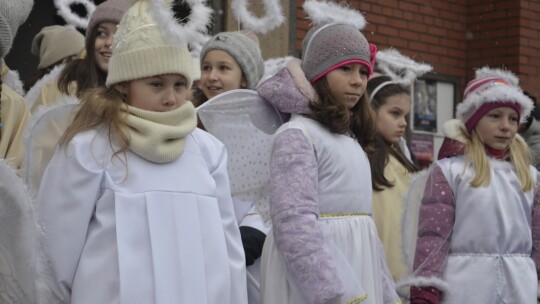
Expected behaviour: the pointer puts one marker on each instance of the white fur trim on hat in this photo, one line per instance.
(271, 20)
(493, 91)
(323, 12)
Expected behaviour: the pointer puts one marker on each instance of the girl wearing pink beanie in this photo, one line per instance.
(323, 247)
(478, 225)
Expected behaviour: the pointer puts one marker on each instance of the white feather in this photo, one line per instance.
(32, 94)
(323, 12)
(400, 68)
(507, 75)
(70, 16)
(272, 19)
(197, 43)
(176, 33)
(274, 65)
(12, 80)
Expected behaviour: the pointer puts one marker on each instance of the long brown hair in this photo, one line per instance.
(379, 157)
(100, 106)
(357, 121)
(84, 72)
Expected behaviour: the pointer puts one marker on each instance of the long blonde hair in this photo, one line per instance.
(101, 106)
(520, 157)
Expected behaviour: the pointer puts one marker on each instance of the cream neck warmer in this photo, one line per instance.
(160, 136)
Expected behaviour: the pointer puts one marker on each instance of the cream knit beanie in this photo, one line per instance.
(140, 48)
(13, 13)
(54, 43)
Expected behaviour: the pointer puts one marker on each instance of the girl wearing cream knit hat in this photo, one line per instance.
(13, 110)
(136, 202)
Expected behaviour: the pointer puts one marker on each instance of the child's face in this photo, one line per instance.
(391, 119)
(348, 83)
(498, 127)
(103, 43)
(220, 73)
(160, 93)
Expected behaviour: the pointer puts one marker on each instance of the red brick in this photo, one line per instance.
(417, 27)
(442, 5)
(398, 23)
(408, 6)
(385, 30)
(397, 42)
(408, 35)
(428, 10)
(534, 34)
(473, 9)
(375, 18)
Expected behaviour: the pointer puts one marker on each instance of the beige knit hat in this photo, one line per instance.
(54, 43)
(141, 49)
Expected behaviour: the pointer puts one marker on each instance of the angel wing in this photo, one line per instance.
(41, 140)
(18, 244)
(422, 185)
(245, 122)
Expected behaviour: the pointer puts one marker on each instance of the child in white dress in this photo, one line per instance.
(136, 203)
(479, 217)
(323, 247)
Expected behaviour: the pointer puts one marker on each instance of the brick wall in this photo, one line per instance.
(455, 36)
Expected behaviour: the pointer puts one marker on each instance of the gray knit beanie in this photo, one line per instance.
(54, 43)
(13, 13)
(108, 11)
(330, 46)
(243, 46)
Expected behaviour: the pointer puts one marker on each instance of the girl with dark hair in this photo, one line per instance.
(390, 168)
(89, 72)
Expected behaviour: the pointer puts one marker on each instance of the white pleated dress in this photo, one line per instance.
(345, 204)
(148, 233)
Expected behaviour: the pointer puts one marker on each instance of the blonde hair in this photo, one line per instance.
(520, 157)
(101, 106)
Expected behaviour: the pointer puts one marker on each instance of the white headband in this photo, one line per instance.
(378, 88)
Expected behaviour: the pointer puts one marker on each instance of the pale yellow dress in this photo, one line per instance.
(387, 213)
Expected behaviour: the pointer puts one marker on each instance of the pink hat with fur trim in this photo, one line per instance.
(492, 88)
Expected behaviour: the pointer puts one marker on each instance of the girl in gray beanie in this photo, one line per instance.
(229, 60)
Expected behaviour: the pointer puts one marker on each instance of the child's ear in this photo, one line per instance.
(243, 84)
(122, 88)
